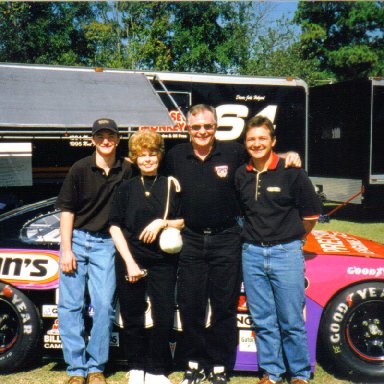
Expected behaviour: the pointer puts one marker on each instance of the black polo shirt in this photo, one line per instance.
(276, 201)
(208, 195)
(87, 192)
(132, 211)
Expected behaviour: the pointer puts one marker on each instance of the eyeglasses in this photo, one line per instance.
(207, 127)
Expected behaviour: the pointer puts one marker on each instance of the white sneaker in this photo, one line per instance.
(135, 376)
(156, 379)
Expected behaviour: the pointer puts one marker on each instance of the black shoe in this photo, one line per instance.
(218, 375)
(193, 375)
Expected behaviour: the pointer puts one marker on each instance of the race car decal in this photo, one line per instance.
(49, 311)
(247, 341)
(32, 269)
(336, 243)
(244, 320)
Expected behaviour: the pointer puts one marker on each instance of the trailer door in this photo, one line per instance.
(376, 174)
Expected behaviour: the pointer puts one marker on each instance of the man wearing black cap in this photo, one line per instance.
(87, 254)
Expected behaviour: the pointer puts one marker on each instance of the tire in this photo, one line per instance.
(20, 329)
(352, 331)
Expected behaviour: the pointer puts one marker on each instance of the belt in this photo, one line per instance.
(212, 230)
(261, 243)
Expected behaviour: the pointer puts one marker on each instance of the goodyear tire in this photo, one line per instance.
(20, 329)
(352, 331)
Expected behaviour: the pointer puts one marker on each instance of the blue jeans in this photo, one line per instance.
(95, 254)
(274, 284)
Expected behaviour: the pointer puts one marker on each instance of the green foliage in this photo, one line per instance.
(179, 36)
(336, 39)
(346, 37)
(49, 33)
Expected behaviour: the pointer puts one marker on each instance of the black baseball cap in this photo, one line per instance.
(104, 123)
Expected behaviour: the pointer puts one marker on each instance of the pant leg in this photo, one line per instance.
(192, 296)
(132, 309)
(261, 304)
(101, 287)
(161, 282)
(71, 307)
(223, 287)
(287, 279)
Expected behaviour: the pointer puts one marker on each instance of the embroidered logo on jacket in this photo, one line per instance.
(221, 170)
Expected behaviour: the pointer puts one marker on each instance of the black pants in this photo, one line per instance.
(209, 269)
(148, 349)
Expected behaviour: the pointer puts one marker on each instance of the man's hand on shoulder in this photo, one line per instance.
(292, 159)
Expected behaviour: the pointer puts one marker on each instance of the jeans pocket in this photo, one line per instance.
(292, 246)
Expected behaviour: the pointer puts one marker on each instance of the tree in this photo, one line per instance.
(49, 33)
(345, 37)
(178, 36)
(130, 35)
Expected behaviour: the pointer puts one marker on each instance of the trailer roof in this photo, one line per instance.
(32, 96)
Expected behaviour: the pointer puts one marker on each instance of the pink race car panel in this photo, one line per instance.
(334, 261)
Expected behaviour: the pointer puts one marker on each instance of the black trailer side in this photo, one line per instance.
(346, 132)
(60, 104)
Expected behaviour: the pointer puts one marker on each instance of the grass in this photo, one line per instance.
(54, 373)
(357, 221)
(350, 219)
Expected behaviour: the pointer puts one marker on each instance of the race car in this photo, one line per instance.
(344, 310)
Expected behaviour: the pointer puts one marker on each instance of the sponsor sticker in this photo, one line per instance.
(244, 321)
(49, 310)
(363, 271)
(247, 341)
(114, 340)
(36, 268)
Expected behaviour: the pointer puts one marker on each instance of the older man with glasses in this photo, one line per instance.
(209, 263)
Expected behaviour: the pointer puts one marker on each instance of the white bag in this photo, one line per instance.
(170, 240)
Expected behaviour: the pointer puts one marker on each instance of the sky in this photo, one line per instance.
(281, 8)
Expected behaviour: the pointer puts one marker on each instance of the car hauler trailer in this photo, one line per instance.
(346, 136)
(46, 113)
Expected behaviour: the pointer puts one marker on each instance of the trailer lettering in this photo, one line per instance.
(231, 117)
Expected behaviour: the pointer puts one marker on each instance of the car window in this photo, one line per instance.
(42, 229)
